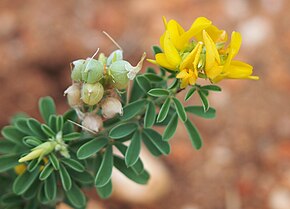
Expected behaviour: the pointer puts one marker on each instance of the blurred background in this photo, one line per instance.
(245, 161)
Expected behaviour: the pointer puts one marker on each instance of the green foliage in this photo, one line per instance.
(71, 158)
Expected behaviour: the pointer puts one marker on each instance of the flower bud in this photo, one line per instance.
(92, 93)
(111, 106)
(77, 68)
(93, 71)
(39, 152)
(118, 72)
(74, 95)
(92, 122)
(116, 55)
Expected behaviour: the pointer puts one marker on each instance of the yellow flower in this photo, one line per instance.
(188, 67)
(231, 69)
(20, 169)
(175, 40)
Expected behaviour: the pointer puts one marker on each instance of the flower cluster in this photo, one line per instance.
(96, 84)
(201, 52)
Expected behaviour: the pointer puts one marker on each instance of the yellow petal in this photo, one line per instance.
(236, 41)
(216, 34)
(170, 51)
(212, 55)
(240, 70)
(182, 74)
(192, 58)
(184, 83)
(162, 61)
(192, 80)
(213, 72)
(197, 27)
(152, 61)
(175, 31)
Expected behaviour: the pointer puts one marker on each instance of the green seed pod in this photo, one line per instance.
(115, 56)
(92, 93)
(118, 72)
(93, 71)
(77, 67)
(102, 58)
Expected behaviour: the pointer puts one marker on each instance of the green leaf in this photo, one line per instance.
(150, 70)
(180, 110)
(156, 139)
(150, 146)
(31, 192)
(211, 88)
(21, 124)
(174, 83)
(71, 136)
(132, 109)
(8, 162)
(24, 181)
(153, 77)
(41, 197)
(12, 134)
(52, 123)
(199, 111)
(156, 50)
(105, 191)
(158, 92)
(164, 110)
(144, 83)
(35, 128)
(46, 108)
(170, 128)
(136, 92)
(59, 123)
(122, 130)
(76, 197)
(138, 167)
(193, 134)
(46, 171)
(83, 178)
(204, 100)
(32, 141)
(91, 147)
(54, 161)
(133, 151)
(50, 187)
(65, 178)
(33, 164)
(150, 115)
(120, 164)
(73, 164)
(6, 146)
(47, 130)
(190, 93)
(105, 172)
(10, 199)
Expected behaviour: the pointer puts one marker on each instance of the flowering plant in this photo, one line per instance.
(43, 163)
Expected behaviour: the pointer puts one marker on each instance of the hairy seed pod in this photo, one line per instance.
(118, 72)
(77, 68)
(92, 93)
(111, 106)
(92, 122)
(73, 94)
(93, 71)
(116, 55)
